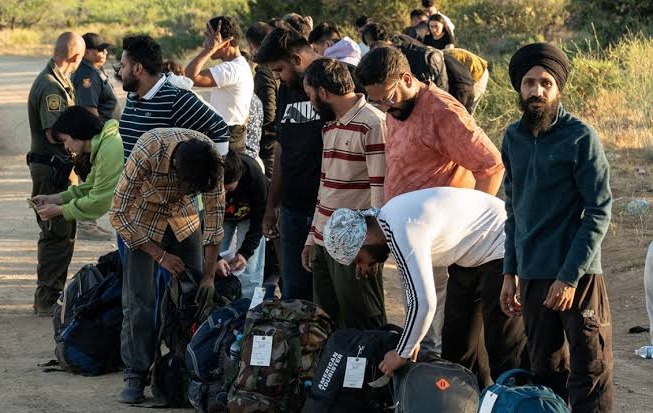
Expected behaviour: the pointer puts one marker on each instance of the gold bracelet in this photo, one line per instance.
(162, 257)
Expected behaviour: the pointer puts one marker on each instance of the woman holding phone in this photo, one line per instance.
(80, 132)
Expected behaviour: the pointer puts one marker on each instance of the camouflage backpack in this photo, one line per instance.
(298, 330)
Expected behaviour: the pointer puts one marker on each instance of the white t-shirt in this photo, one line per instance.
(233, 92)
(438, 227)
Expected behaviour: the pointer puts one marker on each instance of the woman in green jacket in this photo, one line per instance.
(80, 132)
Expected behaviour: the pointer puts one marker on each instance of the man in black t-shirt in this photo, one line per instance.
(298, 155)
(246, 190)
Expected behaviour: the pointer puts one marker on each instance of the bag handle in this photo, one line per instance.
(514, 373)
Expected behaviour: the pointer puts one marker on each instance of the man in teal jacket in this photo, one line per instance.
(558, 203)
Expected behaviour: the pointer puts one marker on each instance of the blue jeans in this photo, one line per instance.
(253, 275)
(297, 282)
(138, 337)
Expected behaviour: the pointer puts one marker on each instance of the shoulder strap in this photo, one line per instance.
(514, 373)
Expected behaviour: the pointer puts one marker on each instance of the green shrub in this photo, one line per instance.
(496, 27)
(610, 20)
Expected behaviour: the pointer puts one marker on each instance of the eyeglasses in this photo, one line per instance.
(389, 101)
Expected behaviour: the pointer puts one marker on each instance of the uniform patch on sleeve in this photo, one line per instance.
(86, 83)
(54, 103)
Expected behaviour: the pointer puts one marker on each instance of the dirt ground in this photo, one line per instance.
(27, 340)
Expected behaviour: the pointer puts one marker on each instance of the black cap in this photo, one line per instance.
(95, 41)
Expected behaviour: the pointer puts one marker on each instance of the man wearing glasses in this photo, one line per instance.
(431, 141)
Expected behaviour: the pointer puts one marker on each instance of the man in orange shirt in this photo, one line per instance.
(431, 141)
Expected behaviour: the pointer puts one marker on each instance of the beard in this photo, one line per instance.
(539, 119)
(379, 253)
(296, 81)
(402, 113)
(325, 111)
(129, 83)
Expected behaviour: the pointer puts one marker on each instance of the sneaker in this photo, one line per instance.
(133, 393)
(92, 233)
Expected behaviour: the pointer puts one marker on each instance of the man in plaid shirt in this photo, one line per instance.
(153, 212)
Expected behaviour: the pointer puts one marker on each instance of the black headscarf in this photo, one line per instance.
(548, 56)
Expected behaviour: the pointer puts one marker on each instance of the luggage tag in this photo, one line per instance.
(229, 255)
(488, 402)
(261, 351)
(355, 371)
(259, 295)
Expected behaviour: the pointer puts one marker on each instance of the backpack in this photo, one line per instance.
(227, 290)
(177, 323)
(296, 331)
(438, 386)
(208, 359)
(426, 63)
(505, 397)
(84, 280)
(328, 393)
(461, 83)
(89, 340)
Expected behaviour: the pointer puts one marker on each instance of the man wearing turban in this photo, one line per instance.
(558, 205)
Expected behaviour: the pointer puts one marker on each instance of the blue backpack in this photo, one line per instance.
(208, 360)
(89, 342)
(504, 396)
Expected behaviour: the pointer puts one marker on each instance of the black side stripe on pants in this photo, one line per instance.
(409, 287)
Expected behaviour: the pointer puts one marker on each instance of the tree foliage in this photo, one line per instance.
(24, 13)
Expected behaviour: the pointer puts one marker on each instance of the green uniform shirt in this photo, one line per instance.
(51, 94)
(92, 199)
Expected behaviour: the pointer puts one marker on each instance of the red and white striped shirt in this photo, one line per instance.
(353, 165)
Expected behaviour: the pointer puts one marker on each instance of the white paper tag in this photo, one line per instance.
(261, 351)
(229, 255)
(259, 294)
(488, 402)
(355, 372)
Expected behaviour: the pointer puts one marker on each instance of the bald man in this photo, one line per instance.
(50, 166)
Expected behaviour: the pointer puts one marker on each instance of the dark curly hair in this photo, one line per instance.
(77, 122)
(330, 74)
(323, 32)
(279, 44)
(257, 32)
(230, 28)
(233, 167)
(375, 32)
(144, 50)
(380, 65)
(200, 168)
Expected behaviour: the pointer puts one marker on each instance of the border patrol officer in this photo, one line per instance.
(95, 92)
(50, 166)
(92, 86)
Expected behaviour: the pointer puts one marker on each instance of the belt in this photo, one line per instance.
(53, 160)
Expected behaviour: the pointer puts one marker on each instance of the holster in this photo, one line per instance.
(61, 166)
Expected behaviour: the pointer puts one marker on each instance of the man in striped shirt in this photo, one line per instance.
(155, 103)
(353, 170)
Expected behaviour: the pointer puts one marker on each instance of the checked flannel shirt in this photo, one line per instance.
(147, 198)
